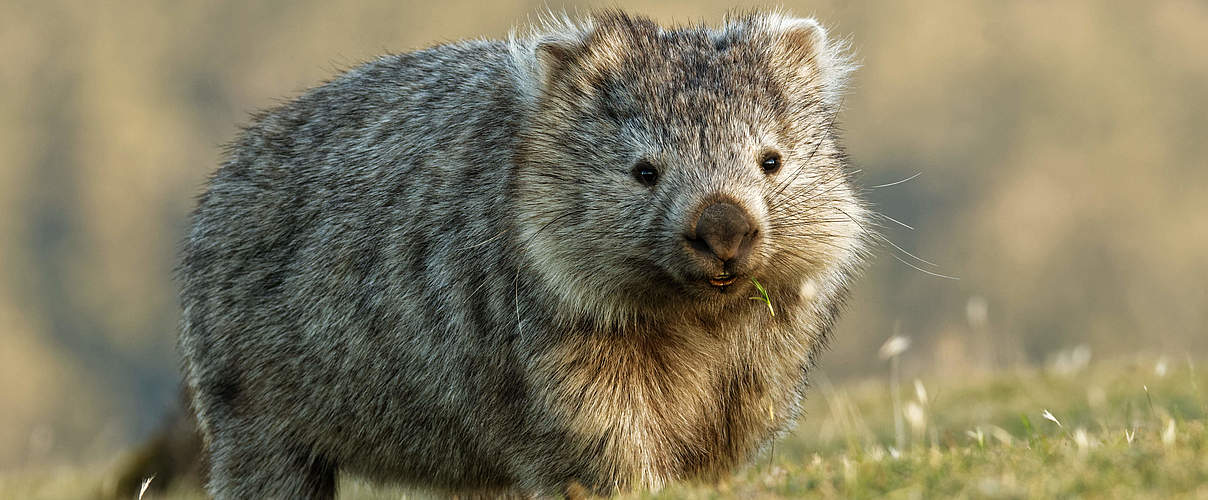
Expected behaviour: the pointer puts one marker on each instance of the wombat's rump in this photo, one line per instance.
(526, 265)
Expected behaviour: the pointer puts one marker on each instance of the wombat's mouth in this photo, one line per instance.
(722, 279)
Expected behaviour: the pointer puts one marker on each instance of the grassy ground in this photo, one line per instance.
(1131, 429)
(1127, 430)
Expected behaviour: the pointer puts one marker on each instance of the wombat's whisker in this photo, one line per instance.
(891, 219)
(917, 268)
(895, 183)
(882, 238)
(816, 235)
(810, 191)
(815, 260)
(808, 187)
(794, 230)
(802, 167)
(886, 239)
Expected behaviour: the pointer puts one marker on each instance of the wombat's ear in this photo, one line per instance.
(551, 53)
(816, 62)
(557, 54)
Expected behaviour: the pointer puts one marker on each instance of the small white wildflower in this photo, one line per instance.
(850, 471)
(916, 416)
(893, 452)
(809, 290)
(1082, 440)
(142, 490)
(1049, 416)
(876, 453)
(1159, 368)
(1081, 355)
(978, 436)
(1002, 435)
(896, 345)
(920, 391)
(1071, 361)
(977, 310)
(1168, 435)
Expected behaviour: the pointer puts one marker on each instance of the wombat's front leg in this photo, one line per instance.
(248, 464)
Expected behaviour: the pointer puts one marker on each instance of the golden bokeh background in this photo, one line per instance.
(1061, 150)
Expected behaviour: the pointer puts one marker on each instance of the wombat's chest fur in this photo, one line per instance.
(524, 266)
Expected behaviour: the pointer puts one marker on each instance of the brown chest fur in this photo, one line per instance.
(682, 403)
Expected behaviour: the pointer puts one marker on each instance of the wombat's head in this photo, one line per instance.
(664, 169)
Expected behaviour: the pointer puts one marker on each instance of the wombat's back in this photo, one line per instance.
(339, 262)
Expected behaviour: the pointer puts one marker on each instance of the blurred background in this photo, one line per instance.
(1060, 150)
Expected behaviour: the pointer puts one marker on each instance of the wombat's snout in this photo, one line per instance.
(724, 232)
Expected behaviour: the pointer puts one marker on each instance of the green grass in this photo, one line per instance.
(1126, 432)
(763, 296)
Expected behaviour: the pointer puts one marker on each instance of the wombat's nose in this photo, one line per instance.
(724, 230)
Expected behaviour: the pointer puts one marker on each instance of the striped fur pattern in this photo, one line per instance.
(439, 269)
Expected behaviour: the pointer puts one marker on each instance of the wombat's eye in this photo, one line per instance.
(770, 162)
(645, 173)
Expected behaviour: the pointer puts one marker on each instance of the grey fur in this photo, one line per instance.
(438, 268)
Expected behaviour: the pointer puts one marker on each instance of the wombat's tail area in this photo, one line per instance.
(172, 457)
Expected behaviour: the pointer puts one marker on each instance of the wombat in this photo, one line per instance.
(599, 257)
